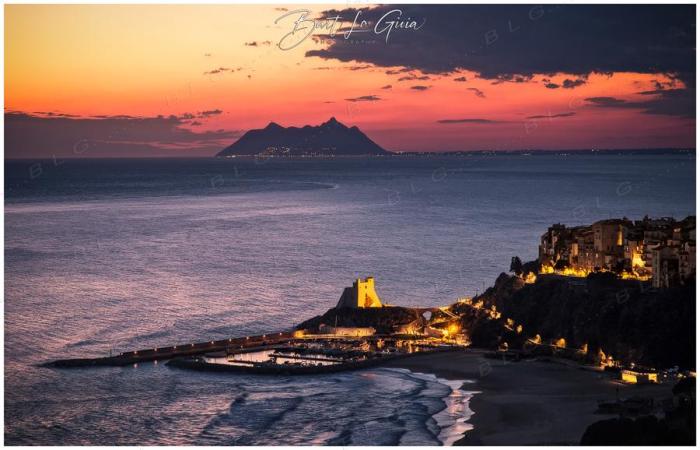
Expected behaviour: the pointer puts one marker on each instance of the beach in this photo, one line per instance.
(527, 402)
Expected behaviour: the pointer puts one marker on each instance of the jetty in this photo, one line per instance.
(370, 332)
(176, 351)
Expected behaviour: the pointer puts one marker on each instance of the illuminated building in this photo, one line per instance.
(638, 377)
(360, 295)
(662, 250)
(346, 331)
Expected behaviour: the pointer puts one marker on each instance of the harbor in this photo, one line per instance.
(365, 332)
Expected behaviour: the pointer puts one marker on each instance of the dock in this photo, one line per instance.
(176, 351)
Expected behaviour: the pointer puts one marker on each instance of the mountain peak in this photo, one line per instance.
(331, 138)
(333, 122)
(273, 126)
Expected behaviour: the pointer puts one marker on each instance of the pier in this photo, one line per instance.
(175, 351)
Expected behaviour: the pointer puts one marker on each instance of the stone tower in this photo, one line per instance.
(360, 295)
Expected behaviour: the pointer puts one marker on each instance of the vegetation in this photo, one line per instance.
(623, 318)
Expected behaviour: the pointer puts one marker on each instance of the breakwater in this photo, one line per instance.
(175, 351)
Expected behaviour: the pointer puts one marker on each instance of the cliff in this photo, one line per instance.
(384, 319)
(624, 318)
(331, 138)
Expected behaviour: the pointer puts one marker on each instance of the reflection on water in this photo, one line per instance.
(108, 256)
(272, 356)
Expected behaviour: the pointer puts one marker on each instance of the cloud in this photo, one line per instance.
(551, 86)
(256, 43)
(414, 77)
(512, 43)
(212, 112)
(362, 67)
(553, 116)
(461, 79)
(669, 102)
(364, 98)
(420, 88)
(388, 86)
(478, 92)
(223, 70)
(571, 84)
(605, 101)
(478, 121)
(36, 136)
(398, 71)
(500, 41)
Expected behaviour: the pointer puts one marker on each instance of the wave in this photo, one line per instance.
(448, 422)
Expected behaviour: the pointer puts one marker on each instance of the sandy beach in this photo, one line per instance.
(527, 402)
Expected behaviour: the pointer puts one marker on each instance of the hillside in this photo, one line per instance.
(331, 138)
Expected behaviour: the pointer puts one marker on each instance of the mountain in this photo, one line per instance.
(331, 138)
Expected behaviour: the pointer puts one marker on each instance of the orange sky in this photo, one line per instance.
(146, 60)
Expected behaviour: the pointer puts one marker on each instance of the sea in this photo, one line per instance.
(108, 255)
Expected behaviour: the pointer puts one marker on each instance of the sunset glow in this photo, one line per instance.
(151, 60)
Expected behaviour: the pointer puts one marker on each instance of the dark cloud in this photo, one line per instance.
(605, 101)
(480, 121)
(35, 136)
(223, 70)
(211, 112)
(420, 88)
(398, 71)
(256, 43)
(500, 79)
(362, 67)
(571, 84)
(53, 114)
(388, 86)
(478, 92)
(553, 116)
(413, 77)
(512, 43)
(669, 102)
(461, 79)
(499, 41)
(364, 98)
(551, 86)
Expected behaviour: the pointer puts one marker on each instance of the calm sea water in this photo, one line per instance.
(110, 255)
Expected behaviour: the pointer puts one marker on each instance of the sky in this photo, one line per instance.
(185, 80)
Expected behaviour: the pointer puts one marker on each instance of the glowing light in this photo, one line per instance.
(453, 329)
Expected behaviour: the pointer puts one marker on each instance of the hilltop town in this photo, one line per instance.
(661, 250)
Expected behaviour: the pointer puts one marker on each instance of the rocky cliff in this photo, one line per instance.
(623, 318)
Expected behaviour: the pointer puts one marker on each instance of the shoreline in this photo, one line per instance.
(453, 419)
(526, 402)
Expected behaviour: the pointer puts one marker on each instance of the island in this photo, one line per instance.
(329, 139)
